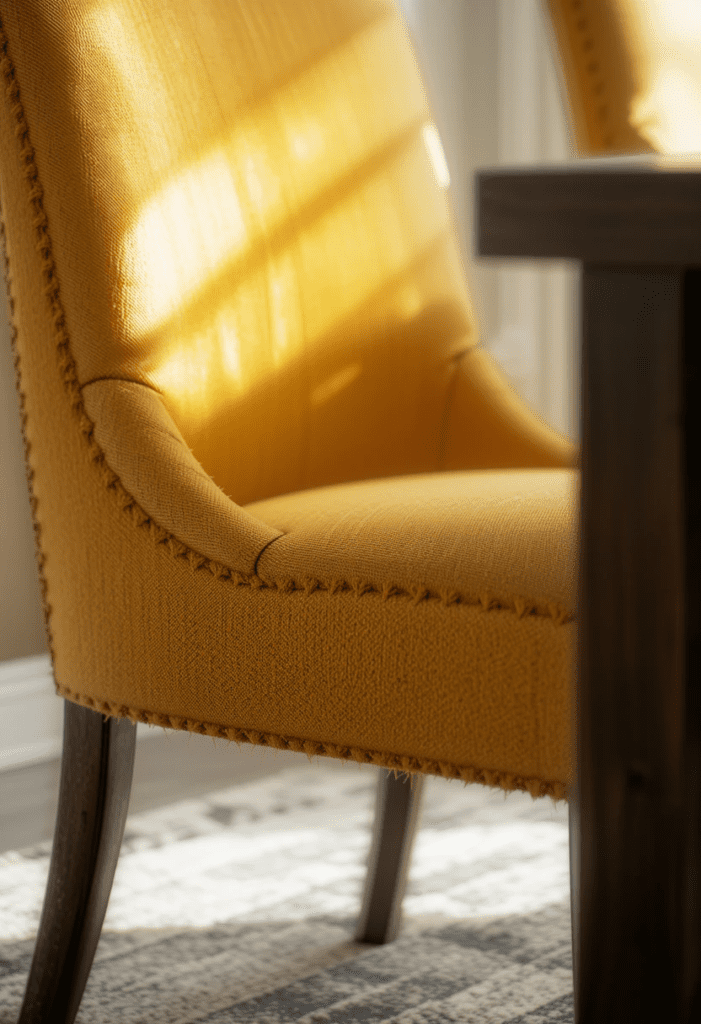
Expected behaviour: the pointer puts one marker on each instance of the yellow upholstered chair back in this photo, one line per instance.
(247, 209)
(632, 72)
(249, 204)
(232, 275)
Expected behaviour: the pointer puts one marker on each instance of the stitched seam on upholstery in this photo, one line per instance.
(111, 480)
(264, 548)
(417, 594)
(593, 68)
(124, 380)
(456, 361)
(395, 762)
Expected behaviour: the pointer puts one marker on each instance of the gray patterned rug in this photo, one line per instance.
(241, 907)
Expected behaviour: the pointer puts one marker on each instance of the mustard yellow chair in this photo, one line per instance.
(281, 495)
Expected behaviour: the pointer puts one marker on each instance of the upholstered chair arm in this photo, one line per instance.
(488, 426)
(148, 453)
(168, 603)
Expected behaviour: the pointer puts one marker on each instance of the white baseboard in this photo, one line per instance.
(31, 715)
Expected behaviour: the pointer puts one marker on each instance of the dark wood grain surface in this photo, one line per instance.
(632, 671)
(628, 212)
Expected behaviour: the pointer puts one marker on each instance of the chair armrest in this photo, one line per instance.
(144, 447)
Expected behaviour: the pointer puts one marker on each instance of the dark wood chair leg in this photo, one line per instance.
(396, 817)
(96, 773)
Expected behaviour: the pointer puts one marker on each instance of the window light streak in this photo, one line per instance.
(183, 372)
(678, 20)
(280, 156)
(123, 47)
(668, 114)
(435, 150)
(181, 237)
(334, 384)
(230, 349)
(211, 237)
(339, 276)
(284, 312)
(190, 369)
(409, 301)
(279, 320)
(667, 107)
(307, 142)
(262, 180)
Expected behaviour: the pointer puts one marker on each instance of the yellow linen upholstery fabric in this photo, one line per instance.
(264, 449)
(632, 73)
(490, 534)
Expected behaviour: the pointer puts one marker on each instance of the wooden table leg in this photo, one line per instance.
(636, 806)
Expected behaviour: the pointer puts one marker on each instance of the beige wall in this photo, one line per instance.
(21, 619)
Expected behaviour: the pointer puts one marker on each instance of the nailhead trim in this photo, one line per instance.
(595, 78)
(395, 762)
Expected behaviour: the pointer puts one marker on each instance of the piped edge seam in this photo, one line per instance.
(399, 763)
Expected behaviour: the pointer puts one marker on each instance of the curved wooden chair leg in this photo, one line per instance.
(397, 808)
(96, 774)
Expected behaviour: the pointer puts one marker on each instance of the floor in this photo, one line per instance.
(169, 766)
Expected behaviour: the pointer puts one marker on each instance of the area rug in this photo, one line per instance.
(241, 907)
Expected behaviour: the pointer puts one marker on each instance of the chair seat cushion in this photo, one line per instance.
(446, 602)
(506, 537)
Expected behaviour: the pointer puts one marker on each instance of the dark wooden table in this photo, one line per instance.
(635, 842)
